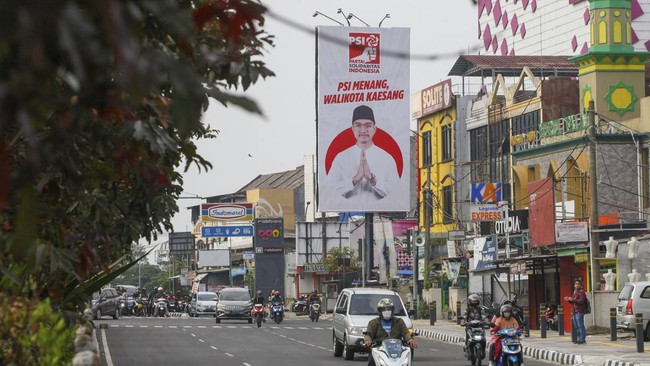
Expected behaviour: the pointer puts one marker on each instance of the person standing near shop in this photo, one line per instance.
(578, 301)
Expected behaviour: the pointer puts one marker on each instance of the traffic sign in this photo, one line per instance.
(226, 231)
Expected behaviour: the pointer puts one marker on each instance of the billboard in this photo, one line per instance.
(486, 192)
(180, 243)
(571, 232)
(363, 119)
(541, 212)
(485, 252)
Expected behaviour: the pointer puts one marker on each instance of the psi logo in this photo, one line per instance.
(364, 48)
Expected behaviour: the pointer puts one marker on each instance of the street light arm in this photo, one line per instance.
(350, 16)
(387, 16)
(317, 13)
(340, 11)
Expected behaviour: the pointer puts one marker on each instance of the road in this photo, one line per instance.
(200, 341)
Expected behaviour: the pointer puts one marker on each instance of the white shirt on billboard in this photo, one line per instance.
(381, 164)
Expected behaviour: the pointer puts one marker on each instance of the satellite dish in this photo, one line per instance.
(419, 240)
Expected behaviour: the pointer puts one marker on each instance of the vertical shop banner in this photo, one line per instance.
(485, 252)
(541, 212)
(363, 119)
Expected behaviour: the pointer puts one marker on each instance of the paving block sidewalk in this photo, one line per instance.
(599, 350)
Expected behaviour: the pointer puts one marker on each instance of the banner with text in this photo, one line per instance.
(363, 119)
(541, 212)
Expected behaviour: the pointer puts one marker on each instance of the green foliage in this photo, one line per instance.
(32, 333)
(341, 260)
(423, 310)
(100, 106)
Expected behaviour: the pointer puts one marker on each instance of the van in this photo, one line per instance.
(355, 307)
(203, 303)
(634, 298)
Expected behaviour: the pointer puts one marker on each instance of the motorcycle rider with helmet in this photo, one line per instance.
(158, 295)
(259, 299)
(275, 298)
(386, 326)
(504, 321)
(473, 311)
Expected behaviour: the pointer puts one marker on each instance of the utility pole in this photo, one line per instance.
(593, 195)
(368, 226)
(428, 202)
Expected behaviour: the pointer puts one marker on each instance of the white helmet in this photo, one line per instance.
(159, 288)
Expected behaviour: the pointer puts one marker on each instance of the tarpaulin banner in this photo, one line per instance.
(541, 212)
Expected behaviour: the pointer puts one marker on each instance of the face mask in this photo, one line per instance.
(386, 314)
(506, 314)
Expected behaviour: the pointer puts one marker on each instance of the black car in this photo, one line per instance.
(106, 302)
(234, 303)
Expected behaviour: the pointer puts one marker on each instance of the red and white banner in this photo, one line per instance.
(363, 119)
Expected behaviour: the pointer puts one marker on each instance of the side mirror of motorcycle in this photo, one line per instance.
(414, 334)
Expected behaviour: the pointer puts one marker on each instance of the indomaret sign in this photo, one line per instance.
(363, 119)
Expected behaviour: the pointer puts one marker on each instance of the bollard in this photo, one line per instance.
(612, 324)
(639, 332)
(560, 320)
(526, 321)
(457, 312)
(542, 319)
(432, 313)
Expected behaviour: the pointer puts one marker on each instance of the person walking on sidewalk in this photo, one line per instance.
(578, 301)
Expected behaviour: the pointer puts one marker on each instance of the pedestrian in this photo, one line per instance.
(578, 301)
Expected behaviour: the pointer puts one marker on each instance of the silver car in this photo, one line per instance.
(634, 298)
(202, 303)
(355, 307)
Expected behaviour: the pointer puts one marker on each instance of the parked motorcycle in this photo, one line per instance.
(300, 305)
(391, 352)
(511, 351)
(314, 311)
(277, 312)
(258, 314)
(551, 318)
(475, 341)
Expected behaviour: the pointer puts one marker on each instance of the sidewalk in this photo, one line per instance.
(599, 350)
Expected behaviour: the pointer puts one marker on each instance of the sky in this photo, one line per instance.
(249, 145)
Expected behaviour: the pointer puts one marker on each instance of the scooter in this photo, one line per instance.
(161, 306)
(300, 306)
(511, 351)
(391, 352)
(475, 341)
(551, 318)
(277, 311)
(258, 314)
(314, 311)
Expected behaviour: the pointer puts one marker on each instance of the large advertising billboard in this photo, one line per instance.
(363, 119)
(541, 212)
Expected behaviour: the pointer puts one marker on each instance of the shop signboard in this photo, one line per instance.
(571, 232)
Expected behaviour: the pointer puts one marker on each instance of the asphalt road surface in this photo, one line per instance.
(200, 341)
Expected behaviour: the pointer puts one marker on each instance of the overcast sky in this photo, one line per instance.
(249, 145)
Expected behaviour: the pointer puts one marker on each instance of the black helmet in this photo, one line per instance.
(506, 308)
(313, 291)
(386, 305)
(473, 300)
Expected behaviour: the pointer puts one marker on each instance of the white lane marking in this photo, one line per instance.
(173, 326)
(290, 328)
(157, 326)
(323, 348)
(201, 326)
(434, 349)
(201, 340)
(291, 339)
(128, 326)
(144, 326)
(303, 328)
(187, 326)
(229, 355)
(246, 326)
(311, 345)
(213, 347)
(216, 326)
(317, 328)
(107, 353)
(232, 326)
(114, 326)
(246, 364)
(193, 335)
(282, 335)
(301, 342)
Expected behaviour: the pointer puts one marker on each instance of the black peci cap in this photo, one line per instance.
(363, 112)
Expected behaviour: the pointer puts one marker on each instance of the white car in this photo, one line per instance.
(355, 307)
(202, 303)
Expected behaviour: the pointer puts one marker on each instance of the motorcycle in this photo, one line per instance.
(475, 341)
(511, 351)
(124, 309)
(551, 318)
(391, 352)
(171, 304)
(140, 307)
(300, 306)
(314, 311)
(277, 312)
(161, 306)
(258, 314)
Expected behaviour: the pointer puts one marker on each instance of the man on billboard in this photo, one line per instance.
(364, 171)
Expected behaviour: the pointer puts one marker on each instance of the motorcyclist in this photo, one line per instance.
(260, 299)
(517, 312)
(275, 299)
(386, 326)
(313, 296)
(505, 320)
(473, 312)
(158, 295)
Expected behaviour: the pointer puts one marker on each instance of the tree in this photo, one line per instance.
(340, 260)
(100, 104)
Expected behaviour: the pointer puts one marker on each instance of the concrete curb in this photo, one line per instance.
(619, 363)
